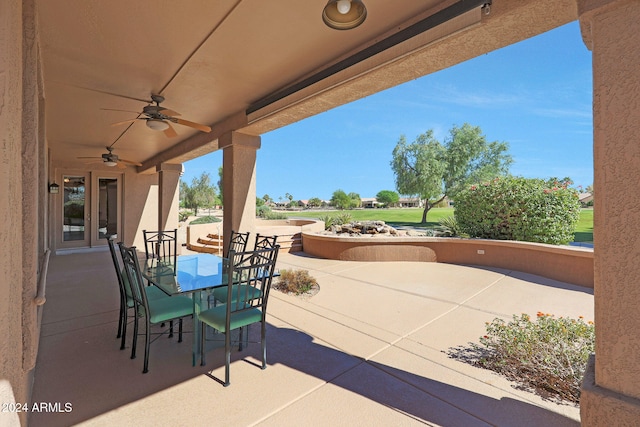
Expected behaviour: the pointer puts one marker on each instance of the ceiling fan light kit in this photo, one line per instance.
(157, 124)
(160, 118)
(111, 160)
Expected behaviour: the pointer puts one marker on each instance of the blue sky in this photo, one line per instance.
(536, 95)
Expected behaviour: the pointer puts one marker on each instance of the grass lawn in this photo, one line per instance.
(412, 216)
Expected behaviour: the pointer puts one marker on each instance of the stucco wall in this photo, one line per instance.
(567, 264)
(14, 380)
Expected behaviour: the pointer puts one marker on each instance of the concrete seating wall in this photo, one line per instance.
(564, 263)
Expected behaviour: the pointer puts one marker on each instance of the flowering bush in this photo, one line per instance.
(516, 208)
(295, 282)
(548, 356)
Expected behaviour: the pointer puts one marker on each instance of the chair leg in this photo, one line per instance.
(124, 329)
(179, 330)
(227, 350)
(120, 320)
(135, 335)
(263, 340)
(147, 344)
(240, 338)
(203, 336)
(171, 329)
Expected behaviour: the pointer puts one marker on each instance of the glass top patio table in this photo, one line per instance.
(192, 274)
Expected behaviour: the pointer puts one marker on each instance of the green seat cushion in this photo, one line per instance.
(153, 292)
(163, 309)
(246, 292)
(215, 317)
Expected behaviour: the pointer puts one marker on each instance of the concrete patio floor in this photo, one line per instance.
(368, 349)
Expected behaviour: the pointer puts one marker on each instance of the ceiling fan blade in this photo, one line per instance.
(92, 157)
(170, 132)
(124, 111)
(168, 112)
(131, 162)
(194, 125)
(123, 122)
(121, 165)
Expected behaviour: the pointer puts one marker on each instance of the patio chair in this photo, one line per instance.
(153, 311)
(248, 301)
(126, 301)
(262, 242)
(161, 244)
(265, 242)
(237, 242)
(219, 294)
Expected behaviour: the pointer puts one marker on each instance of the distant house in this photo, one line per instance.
(369, 202)
(406, 202)
(585, 199)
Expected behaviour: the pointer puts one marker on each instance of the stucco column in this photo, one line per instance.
(168, 196)
(239, 182)
(611, 390)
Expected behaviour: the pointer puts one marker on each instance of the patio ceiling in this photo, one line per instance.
(215, 62)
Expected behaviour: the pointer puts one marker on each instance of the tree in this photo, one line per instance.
(340, 200)
(387, 197)
(354, 200)
(220, 186)
(432, 170)
(200, 194)
(314, 202)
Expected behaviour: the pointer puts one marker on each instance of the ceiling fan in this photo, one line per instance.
(110, 159)
(160, 118)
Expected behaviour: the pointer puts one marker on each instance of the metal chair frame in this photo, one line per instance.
(142, 307)
(256, 269)
(161, 244)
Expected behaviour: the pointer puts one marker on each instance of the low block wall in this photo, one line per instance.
(289, 232)
(564, 263)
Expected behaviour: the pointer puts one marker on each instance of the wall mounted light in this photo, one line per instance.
(344, 14)
(54, 188)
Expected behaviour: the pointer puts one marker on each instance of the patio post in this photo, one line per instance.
(239, 182)
(168, 179)
(611, 389)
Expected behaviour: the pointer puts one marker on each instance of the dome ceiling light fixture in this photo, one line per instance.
(157, 124)
(344, 14)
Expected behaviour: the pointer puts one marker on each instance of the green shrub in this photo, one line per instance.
(450, 227)
(338, 219)
(205, 220)
(274, 215)
(548, 356)
(342, 218)
(262, 210)
(328, 221)
(515, 208)
(184, 215)
(295, 281)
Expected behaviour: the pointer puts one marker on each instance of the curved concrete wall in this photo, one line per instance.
(567, 264)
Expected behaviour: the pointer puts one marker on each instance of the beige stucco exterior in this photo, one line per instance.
(35, 151)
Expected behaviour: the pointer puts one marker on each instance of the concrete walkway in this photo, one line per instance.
(368, 349)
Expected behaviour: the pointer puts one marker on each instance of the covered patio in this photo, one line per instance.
(368, 349)
(77, 76)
